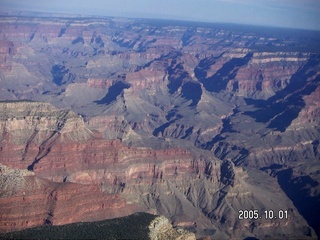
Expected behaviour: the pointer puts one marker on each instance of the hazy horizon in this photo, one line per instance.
(303, 14)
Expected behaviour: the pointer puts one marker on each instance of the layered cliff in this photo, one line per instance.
(98, 179)
(29, 201)
(158, 70)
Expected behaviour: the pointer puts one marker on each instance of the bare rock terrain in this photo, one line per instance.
(193, 121)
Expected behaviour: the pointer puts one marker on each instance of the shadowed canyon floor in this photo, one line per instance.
(105, 117)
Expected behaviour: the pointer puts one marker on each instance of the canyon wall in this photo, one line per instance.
(93, 179)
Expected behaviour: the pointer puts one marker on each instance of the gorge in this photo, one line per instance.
(105, 117)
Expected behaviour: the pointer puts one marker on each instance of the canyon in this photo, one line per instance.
(104, 117)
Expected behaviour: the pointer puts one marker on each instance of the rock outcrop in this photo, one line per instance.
(98, 179)
(160, 228)
(29, 201)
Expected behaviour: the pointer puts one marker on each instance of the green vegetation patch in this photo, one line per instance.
(134, 226)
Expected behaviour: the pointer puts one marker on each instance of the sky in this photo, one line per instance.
(303, 14)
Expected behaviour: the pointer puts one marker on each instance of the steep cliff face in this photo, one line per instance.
(97, 179)
(29, 129)
(28, 201)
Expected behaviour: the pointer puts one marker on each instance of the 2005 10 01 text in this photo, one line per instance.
(266, 214)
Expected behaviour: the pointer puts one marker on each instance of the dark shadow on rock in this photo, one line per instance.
(282, 108)
(113, 92)
(298, 190)
(187, 36)
(273, 166)
(78, 40)
(189, 131)
(58, 71)
(192, 91)
(221, 78)
(226, 128)
(176, 76)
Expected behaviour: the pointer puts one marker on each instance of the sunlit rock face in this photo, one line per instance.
(106, 117)
(61, 166)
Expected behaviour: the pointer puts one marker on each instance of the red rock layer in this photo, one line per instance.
(145, 79)
(42, 202)
(75, 175)
(112, 163)
(310, 115)
(99, 83)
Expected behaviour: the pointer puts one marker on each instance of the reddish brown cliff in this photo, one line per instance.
(30, 201)
(72, 170)
(58, 149)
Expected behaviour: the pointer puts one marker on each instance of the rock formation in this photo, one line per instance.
(71, 168)
(160, 228)
(106, 117)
